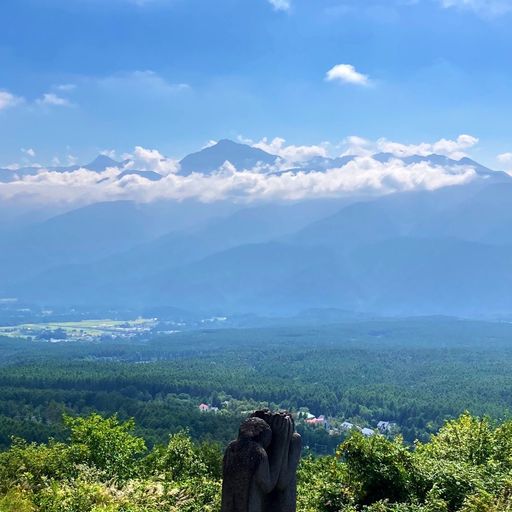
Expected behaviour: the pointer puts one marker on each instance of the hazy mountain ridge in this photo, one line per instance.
(415, 253)
(445, 251)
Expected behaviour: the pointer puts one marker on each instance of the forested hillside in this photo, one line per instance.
(413, 373)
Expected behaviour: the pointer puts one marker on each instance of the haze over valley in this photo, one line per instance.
(233, 229)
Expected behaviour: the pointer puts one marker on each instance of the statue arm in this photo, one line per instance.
(269, 469)
(263, 475)
(290, 462)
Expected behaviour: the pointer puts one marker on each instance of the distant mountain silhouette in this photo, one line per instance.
(420, 253)
(148, 175)
(100, 163)
(447, 251)
(245, 157)
(211, 158)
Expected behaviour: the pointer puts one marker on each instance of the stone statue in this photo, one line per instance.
(260, 466)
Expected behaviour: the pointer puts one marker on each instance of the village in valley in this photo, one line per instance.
(333, 426)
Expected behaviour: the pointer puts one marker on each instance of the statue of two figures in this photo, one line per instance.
(260, 467)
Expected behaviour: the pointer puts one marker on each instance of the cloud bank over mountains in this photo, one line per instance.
(253, 171)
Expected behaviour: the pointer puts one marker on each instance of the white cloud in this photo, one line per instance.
(358, 146)
(66, 87)
(455, 149)
(290, 154)
(52, 99)
(111, 153)
(8, 100)
(485, 7)
(141, 82)
(29, 152)
(505, 158)
(281, 5)
(364, 175)
(151, 160)
(346, 73)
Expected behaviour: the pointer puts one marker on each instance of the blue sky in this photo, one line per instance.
(81, 76)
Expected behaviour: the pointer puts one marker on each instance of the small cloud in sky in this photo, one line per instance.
(66, 87)
(8, 100)
(111, 153)
(281, 5)
(290, 153)
(29, 152)
(145, 82)
(346, 73)
(505, 158)
(485, 7)
(455, 149)
(53, 100)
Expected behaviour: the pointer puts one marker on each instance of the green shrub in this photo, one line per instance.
(107, 444)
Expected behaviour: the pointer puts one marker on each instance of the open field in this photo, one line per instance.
(80, 329)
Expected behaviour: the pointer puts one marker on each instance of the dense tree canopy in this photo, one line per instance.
(415, 373)
(104, 467)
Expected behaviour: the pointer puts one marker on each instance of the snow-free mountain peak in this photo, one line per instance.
(102, 162)
(209, 159)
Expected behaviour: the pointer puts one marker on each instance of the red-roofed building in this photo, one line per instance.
(318, 421)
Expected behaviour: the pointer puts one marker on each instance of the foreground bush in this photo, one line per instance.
(105, 467)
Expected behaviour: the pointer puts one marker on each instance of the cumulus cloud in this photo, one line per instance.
(29, 152)
(52, 99)
(455, 149)
(505, 158)
(111, 153)
(289, 153)
(280, 5)
(346, 73)
(363, 175)
(8, 100)
(151, 160)
(358, 146)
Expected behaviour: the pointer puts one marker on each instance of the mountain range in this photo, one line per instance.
(446, 251)
(246, 157)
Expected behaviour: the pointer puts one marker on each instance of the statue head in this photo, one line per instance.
(257, 430)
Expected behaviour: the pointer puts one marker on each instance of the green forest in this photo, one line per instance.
(415, 373)
(115, 425)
